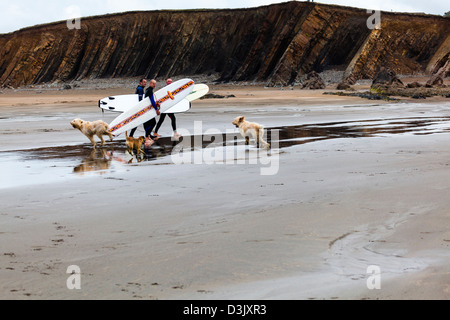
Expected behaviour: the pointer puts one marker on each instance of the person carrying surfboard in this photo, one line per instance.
(140, 92)
(150, 124)
(172, 118)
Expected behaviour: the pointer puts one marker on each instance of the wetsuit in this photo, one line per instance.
(161, 120)
(150, 124)
(140, 93)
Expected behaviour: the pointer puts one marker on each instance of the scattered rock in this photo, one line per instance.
(386, 78)
(347, 82)
(313, 81)
(437, 79)
(418, 96)
(366, 95)
(216, 96)
(343, 86)
(414, 84)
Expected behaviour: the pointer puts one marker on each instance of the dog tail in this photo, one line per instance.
(126, 135)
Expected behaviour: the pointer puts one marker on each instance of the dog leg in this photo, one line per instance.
(107, 133)
(258, 133)
(138, 150)
(247, 140)
(93, 141)
(140, 158)
(101, 139)
(261, 140)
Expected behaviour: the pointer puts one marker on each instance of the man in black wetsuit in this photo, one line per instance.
(172, 118)
(139, 91)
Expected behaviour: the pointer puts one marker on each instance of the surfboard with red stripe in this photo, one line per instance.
(167, 97)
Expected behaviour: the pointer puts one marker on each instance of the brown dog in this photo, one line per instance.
(251, 129)
(97, 128)
(134, 143)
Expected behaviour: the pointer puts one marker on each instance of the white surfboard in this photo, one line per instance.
(182, 106)
(167, 97)
(119, 103)
(124, 102)
(199, 91)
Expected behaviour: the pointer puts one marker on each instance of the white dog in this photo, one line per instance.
(90, 129)
(251, 129)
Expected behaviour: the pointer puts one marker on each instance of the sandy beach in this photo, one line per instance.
(350, 186)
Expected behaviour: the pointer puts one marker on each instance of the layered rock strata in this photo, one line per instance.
(276, 44)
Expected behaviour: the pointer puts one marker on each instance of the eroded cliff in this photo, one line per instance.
(275, 44)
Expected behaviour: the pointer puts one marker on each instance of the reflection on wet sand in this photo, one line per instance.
(294, 135)
(161, 148)
(86, 159)
(101, 159)
(98, 160)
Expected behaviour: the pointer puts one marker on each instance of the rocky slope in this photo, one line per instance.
(275, 44)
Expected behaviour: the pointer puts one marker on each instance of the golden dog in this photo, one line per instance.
(251, 129)
(134, 143)
(97, 128)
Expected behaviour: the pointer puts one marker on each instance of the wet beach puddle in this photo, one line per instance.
(35, 166)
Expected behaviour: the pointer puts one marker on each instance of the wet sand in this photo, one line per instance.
(355, 183)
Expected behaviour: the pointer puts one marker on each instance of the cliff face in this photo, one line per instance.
(276, 44)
